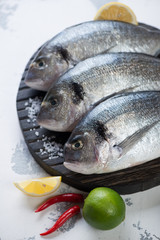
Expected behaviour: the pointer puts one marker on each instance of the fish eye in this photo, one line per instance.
(40, 63)
(53, 101)
(77, 145)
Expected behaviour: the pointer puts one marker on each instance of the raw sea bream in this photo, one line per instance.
(83, 86)
(85, 40)
(121, 132)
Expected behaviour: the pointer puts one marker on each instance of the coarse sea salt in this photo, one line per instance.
(51, 148)
(33, 108)
(26, 104)
(37, 133)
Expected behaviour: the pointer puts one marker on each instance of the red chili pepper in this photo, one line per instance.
(63, 218)
(66, 197)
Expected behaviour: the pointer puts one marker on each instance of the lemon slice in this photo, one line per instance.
(116, 11)
(39, 186)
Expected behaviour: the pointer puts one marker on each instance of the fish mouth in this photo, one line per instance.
(72, 166)
(47, 120)
(47, 123)
(76, 167)
(50, 124)
(36, 83)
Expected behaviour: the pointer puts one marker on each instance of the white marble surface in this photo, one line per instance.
(24, 26)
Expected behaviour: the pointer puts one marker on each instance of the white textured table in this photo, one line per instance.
(24, 26)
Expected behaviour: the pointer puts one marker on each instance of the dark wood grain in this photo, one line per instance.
(126, 181)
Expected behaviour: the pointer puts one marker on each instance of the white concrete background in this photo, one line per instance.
(24, 26)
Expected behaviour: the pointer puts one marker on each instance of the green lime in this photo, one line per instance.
(104, 208)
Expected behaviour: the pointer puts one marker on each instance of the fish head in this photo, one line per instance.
(46, 68)
(81, 153)
(58, 111)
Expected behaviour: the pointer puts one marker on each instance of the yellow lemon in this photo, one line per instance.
(39, 186)
(116, 11)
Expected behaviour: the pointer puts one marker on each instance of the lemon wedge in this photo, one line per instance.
(39, 187)
(116, 11)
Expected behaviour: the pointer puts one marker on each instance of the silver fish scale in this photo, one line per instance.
(124, 114)
(110, 73)
(86, 40)
(94, 79)
(114, 63)
(124, 131)
(89, 38)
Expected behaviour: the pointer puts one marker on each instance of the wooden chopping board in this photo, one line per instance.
(47, 149)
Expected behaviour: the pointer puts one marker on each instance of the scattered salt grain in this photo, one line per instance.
(33, 108)
(51, 148)
(37, 133)
(26, 104)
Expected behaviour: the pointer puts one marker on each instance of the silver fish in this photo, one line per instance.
(85, 40)
(121, 132)
(83, 86)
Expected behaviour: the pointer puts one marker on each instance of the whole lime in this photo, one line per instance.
(104, 208)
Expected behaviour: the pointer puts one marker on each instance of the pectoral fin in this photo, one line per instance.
(131, 140)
